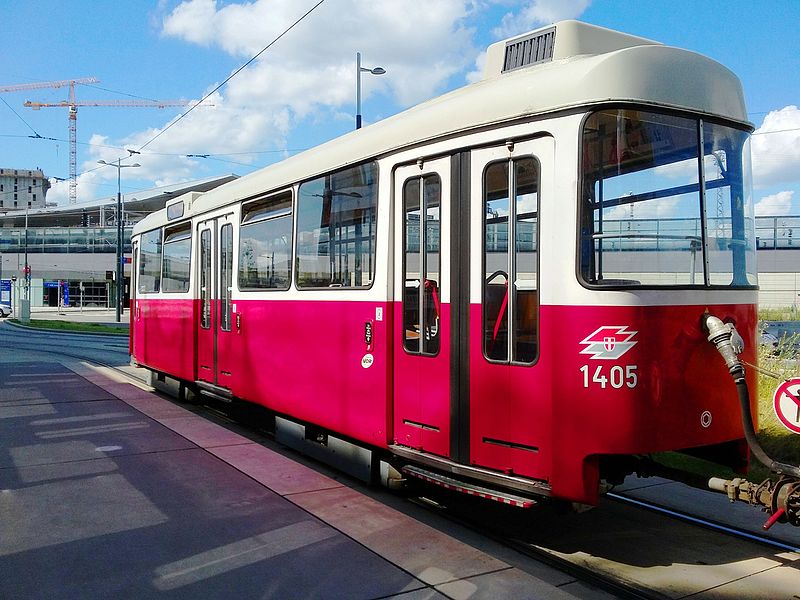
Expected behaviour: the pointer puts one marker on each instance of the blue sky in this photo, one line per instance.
(301, 92)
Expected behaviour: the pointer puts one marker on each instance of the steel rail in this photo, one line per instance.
(707, 523)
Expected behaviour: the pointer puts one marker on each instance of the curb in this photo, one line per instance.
(18, 325)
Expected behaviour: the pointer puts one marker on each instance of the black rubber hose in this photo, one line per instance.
(750, 434)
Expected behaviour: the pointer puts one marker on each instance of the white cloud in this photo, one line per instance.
(480, 66)
(537, 13)
(776, 148)
(89, 186)
(59, 191)
(775, 205)
(192, 21)
(311, 67)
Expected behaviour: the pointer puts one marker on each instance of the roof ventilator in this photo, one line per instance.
(530, 50)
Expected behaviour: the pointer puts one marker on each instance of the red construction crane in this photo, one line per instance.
(72, 105)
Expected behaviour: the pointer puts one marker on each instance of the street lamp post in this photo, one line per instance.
(359, 70)
(27, 287)
(24, 304)
(120, 229)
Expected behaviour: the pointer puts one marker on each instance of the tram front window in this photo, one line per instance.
(645, 218)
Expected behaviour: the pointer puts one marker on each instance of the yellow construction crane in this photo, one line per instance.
(72, 105)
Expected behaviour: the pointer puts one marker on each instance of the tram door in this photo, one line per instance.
(215, 313)
(509, 374)
(421, 417)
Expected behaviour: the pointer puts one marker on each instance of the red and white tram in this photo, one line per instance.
(502, 287)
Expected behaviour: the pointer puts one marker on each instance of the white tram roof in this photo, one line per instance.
(561, 67)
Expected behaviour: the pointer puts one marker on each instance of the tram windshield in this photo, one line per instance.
(665, 201)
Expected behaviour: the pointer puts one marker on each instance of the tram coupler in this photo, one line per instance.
(780, 499)
(727, 341)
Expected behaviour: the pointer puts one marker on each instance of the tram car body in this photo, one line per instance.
(503, 285)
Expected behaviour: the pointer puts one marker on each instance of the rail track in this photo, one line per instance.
(707, 523)
(589, 553)
(83, 346)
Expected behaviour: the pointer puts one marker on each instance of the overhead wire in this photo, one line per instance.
(35, 133)
(232, 75)
(154, 153)
(776, 131)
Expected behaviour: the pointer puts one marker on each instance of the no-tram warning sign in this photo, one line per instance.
(786, 402)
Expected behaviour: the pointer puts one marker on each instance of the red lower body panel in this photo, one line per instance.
(610, 380)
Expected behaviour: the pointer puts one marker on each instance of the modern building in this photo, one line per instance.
(71, 250)
(21, 189)
(778, 260)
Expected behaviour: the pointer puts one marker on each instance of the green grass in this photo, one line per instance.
(788, 313)
(780, 443)
(74, 327)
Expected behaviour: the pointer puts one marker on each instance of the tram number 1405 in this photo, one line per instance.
(617, 376)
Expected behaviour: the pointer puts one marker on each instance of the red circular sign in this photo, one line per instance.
(786, 402)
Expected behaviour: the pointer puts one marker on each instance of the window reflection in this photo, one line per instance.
(422, 264)
(645, 218)
(265, 244)
(336, 225)
(510, 285)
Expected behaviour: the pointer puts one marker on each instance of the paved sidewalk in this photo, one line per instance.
(109, 491)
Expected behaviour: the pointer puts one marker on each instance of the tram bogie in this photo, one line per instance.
(503, 286)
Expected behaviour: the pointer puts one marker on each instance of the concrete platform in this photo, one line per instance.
(109, 491)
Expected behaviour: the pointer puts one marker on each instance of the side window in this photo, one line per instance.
(205, 278)
(265, 243)
(422, 266)
(150, 262)
(177, 253)
(226, 275)
(336, 222)
(510, 296)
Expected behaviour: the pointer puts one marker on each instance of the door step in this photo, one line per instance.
(214, 391)
(468, 488)
(495, 479)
